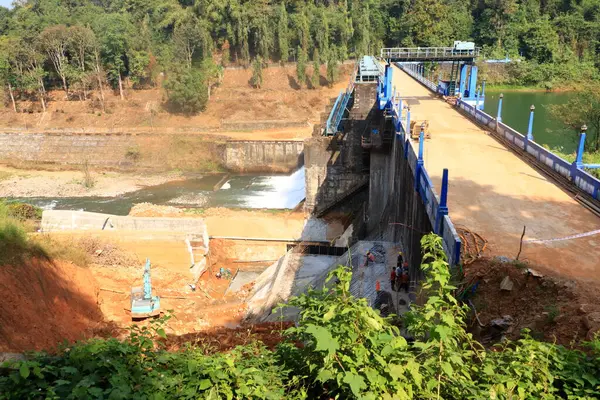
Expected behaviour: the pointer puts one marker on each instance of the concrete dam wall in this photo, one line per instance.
(147, 151)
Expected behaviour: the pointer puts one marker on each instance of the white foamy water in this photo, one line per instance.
(276, 191)
(226, 186)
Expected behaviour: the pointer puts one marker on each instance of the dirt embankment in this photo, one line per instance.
(551, 307)
(30, 183)
(233, 101)
(45, 302)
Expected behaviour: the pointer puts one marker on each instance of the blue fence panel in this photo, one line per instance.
(451, 241)
(587, 183)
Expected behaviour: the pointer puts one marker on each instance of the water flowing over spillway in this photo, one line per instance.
(239, 191)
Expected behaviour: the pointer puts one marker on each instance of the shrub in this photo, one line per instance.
(187, 91)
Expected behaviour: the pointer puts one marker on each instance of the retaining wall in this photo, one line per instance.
(146, 151)
(255, 155)
(64, 220)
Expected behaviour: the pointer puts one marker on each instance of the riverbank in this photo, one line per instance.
(93, 183)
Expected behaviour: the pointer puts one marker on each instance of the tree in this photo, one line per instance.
(186, 90)
(283, 34)
(257, 72)
(583, 108)
(332, 66)
(54, 42)
(540, 41)
(315, 79)
(301, 66)
(114, 32)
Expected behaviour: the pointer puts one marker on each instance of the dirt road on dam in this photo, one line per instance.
(495, 193)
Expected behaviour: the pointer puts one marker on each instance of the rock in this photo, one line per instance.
(591, 320)
(584, 309)
(534, 273)
(503, 259)
(589, 336)
(570, 285)
(506, 284)
(503, 323)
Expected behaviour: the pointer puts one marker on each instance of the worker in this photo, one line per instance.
(369, 257)
(404, 278)
(393, 279)
(400, 259)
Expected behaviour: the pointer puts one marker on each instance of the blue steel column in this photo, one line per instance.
(463, 80)
(581, 147)
(472, 81)
(530, 127)
(407, 132)
(578, 163)
(443, 207)
(420, 162)
(499, 114)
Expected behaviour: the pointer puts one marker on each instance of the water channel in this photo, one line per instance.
(546, 130)
(239, 191)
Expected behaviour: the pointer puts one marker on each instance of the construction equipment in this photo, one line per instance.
(143, 304)
(415, 129)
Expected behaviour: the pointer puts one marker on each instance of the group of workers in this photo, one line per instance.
(399, 277)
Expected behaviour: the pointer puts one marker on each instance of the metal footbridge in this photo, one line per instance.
(438, 54)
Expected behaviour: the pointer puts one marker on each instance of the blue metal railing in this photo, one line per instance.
(436, 207)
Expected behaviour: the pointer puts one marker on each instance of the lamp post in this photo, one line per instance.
(499, 114)
(530, 127)
(581, 147)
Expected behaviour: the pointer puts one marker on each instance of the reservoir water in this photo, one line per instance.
(547, 130)
(239, 191)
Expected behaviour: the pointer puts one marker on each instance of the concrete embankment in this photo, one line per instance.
(192, 233)
(148, 151)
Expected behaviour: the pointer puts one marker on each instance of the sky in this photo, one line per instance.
(6, 3)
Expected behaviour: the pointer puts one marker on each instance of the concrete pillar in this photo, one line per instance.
(530, 127)
(443, 207)
(483, 89)
(578, 163)
(477, 101)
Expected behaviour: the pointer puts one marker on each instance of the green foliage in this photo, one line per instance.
(186, 90)
(583, 108)
(301, 66)
(315, 78)
(332, 66)
(257, 73)
(340, 348)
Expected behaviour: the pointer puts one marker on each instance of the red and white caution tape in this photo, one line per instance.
(579, 235)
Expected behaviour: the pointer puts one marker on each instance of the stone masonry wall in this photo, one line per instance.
(146, 151)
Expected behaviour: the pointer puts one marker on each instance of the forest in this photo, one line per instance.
(87, 46)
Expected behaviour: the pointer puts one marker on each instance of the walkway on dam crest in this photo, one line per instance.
(495, 193)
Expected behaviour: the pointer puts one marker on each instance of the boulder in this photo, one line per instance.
(506, 284)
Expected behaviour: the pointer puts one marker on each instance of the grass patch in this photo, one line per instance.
(4, 175)
(14, 242)
(16, 246)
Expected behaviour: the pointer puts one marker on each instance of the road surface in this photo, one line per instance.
(495, 193)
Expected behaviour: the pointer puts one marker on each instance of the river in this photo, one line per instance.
(239, 191)
(546, 129)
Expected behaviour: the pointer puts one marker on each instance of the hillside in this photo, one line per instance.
(234, 109)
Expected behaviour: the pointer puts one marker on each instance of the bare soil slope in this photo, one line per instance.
(44, 303)
(279, 99)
